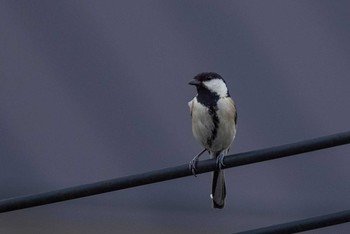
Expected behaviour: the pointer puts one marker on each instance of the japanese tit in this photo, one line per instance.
(214, 119)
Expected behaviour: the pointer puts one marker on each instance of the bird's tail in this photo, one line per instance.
(218, 191)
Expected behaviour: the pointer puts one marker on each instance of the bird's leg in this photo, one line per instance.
(192, 164)
(220, 160)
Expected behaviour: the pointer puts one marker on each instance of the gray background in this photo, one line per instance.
(93, 90)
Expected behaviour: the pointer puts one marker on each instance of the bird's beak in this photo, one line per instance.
(194, 82)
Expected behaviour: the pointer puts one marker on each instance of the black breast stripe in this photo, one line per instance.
(209, 99)
(215, 119)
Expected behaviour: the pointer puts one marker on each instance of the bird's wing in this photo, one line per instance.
(233, 112)
(236, 116)
(190, 105)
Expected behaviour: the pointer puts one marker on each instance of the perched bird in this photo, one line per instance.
(214, 119)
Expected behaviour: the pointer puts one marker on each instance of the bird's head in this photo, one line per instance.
(210, 81)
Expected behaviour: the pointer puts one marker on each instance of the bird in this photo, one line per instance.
(214, 120)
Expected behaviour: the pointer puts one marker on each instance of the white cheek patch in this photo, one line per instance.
(217, 86)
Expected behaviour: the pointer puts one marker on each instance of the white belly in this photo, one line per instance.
(202, 125)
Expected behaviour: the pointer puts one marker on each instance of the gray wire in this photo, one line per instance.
(204, 166)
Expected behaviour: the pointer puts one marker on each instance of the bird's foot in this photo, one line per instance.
(220, 161)
(192, 164)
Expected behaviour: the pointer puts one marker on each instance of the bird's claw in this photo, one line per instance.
(192, 167)
(192, 164)
(220, 161)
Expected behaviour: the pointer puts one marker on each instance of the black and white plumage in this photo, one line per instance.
(214, 119)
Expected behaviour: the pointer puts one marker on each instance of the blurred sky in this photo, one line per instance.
(93, 90)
